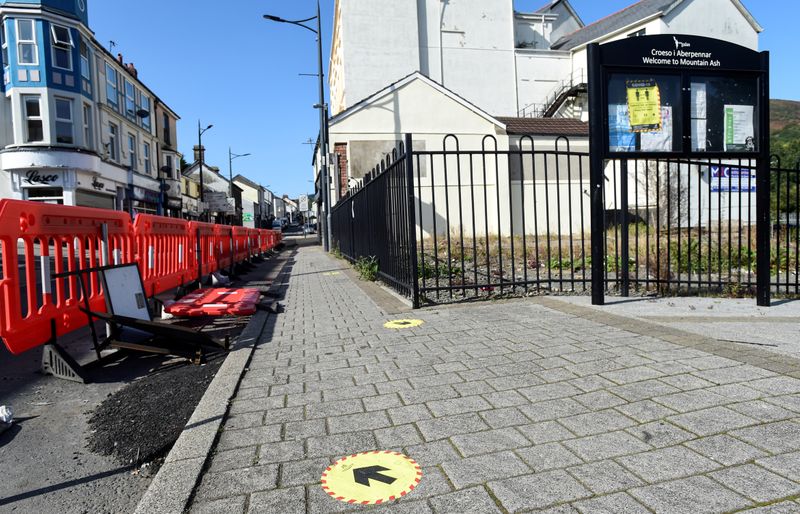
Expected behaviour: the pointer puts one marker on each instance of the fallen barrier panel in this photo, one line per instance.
(162, 252)
(38, 241)
(203, 251)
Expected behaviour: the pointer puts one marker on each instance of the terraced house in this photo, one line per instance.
(77, 126)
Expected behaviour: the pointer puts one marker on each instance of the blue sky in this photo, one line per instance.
(225, 65)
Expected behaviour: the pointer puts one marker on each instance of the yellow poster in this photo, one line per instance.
(644, 105)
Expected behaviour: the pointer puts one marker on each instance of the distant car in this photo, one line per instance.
(277, 225)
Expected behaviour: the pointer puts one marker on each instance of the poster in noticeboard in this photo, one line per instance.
(644, 105)
(739, 128)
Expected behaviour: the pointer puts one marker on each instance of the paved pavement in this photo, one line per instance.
(517, 406)
(737, 321)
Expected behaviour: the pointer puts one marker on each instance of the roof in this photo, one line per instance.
(406, 80)
(628, 16)
(545, 127)
(246, 181)
(553, 3)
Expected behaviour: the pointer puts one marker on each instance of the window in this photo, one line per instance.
(87, 126)
(27, 53)
(62, 47)
(113, 142)
(167, 135)
(33, 118)
(130, 100)
(147, 158)
(54, 195)
(4, 44)
(112, 93)
(170, 166)
(64, 121)
(146, 107)
(132, 150)
(85, 60)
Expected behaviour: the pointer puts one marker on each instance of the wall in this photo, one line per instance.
(381, 41)
(478, 51)
(718, 19)
(538, 74)
(417, 108)
(378, 44)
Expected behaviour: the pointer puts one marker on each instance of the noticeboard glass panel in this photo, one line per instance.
(724, 114)
(645, 113)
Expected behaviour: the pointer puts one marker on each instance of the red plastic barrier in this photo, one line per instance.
(38, 240)
(162, 252)
(224, 245)
(204, 239)
(252, 242)
(240, 242)
(263, 240)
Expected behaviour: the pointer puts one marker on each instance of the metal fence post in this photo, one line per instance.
(596, 173)
(763, 190)
(412, 221)
(625, 243)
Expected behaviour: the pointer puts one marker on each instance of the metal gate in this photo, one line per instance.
(456, 224)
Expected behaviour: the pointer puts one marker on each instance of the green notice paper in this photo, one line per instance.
(739, 128)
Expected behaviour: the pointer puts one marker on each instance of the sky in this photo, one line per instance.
(223, 64)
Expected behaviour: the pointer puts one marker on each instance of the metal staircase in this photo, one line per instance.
(568, 88)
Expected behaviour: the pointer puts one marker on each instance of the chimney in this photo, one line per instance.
(197, 151)
(119, 59)
(132, 69)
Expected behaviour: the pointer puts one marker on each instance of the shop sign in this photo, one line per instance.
(218, 202)
(144, 195)
(37, 178)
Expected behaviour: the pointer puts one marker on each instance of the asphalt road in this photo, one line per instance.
(45, 465)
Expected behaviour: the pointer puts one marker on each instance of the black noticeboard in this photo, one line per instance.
(678, 97)
(675, 95)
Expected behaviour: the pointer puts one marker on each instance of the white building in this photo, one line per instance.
(253, 213)
(77, 126)
(506, 62)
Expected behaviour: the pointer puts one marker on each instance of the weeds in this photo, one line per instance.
(367, 268)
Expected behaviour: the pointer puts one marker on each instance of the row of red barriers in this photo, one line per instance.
(39, 241)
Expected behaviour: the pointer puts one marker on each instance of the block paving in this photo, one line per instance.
(509, 406)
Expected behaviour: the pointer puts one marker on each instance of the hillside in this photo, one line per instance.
(783, 113)
(785, 131)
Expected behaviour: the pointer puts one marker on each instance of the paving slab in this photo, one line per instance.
(525, 405)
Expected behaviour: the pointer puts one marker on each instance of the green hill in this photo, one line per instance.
(785, 131)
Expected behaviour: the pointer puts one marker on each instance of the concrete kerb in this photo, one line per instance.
(173, 485)
(170, 490)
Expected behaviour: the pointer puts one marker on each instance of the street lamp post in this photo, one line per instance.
(323, 119)
(231, 157)
(200, 132)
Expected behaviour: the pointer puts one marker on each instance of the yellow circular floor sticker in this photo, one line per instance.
(371, 478)
(403, 323)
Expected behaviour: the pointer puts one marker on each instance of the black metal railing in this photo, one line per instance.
(377, 220)
(453, 224)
